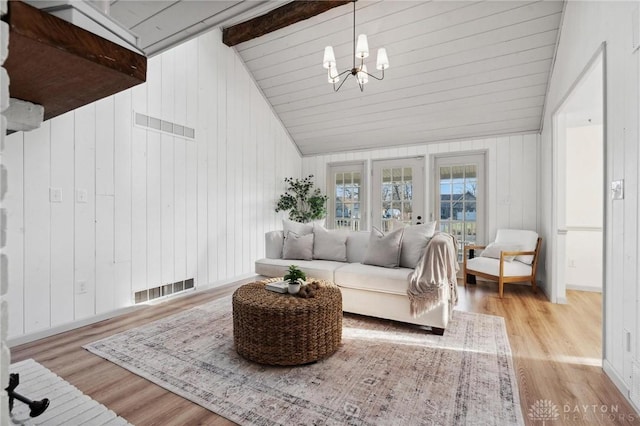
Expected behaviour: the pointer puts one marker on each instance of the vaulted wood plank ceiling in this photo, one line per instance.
(459, 69)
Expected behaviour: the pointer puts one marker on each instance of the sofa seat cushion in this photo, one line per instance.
(373, 278)
(319, 269)
(491, 266)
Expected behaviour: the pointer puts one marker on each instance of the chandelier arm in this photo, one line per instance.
(373, 76)
(345, 79)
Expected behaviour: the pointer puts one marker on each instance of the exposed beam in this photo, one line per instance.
(281, 17)
(60, 66)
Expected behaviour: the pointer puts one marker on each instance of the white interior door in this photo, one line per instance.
(398, 192)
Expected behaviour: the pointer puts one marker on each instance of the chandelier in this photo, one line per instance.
(360, 52)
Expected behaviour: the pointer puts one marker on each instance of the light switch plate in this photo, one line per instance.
(617, 189)
(81, 195)
(55, 195)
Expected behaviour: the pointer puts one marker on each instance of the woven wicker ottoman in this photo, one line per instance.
(281, 329)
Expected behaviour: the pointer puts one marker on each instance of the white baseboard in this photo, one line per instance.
(37, 335)
(42, 334)
(618, 382)
(584, 288)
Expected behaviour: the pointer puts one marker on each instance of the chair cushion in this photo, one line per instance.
(521, 237)
(491, 266)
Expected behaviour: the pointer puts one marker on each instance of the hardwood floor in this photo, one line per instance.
(556, 351)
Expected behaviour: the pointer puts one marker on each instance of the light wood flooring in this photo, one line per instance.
(556, 349)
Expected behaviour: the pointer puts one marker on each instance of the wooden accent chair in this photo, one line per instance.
(511, 258)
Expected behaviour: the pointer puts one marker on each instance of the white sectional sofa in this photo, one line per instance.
(366, 289)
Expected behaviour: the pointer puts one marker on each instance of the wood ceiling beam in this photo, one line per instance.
(62, 67)
(286, 15)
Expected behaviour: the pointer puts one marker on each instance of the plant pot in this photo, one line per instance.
(294, 288)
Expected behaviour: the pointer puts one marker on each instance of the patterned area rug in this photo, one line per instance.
(68, 406)
(383, 374)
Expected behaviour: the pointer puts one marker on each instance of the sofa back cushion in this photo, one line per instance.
(527, 240)
(384, 249)
(414, 242)
(298, 246)
(329, 245)
(357, 243)
(273, 241)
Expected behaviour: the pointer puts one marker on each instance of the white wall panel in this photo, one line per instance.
(62, 219)
(123, 214)
(13, 202)
(167, 215)
(85, 211)
(138, 209)
(104, 255)
(37, 229)
(180, 211)
(153, 208)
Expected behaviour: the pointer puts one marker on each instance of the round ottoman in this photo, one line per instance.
(282, 329)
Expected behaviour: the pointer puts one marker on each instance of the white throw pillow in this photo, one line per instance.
(298, 247)
(299, 228)
(384, 249)
(414, 241)
(493, 250)
(329, 245)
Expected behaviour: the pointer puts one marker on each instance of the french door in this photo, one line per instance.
(397, 192)
(460, 196)
(346, 196)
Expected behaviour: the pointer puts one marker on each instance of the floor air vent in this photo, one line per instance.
(163, 290)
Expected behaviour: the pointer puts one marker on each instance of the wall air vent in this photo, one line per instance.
(164, 126)
(163, 291)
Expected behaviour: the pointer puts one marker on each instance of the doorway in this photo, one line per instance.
(578, 182)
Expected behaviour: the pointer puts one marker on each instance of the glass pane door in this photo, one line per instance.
(459, 190)
(348, 186)
(400, 192)
(346, 191)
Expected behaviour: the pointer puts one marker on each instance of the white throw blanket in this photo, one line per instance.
(434, 281)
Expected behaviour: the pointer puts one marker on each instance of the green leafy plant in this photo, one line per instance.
(303, 202)
(294, 274)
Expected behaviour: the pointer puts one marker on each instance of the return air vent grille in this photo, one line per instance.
(164, 126)
(163, 291)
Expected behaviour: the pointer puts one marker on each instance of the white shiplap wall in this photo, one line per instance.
(586, 25)
(511, 174)
(159, 208)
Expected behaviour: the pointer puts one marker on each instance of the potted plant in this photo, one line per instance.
(303, 202)
(295, 278)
